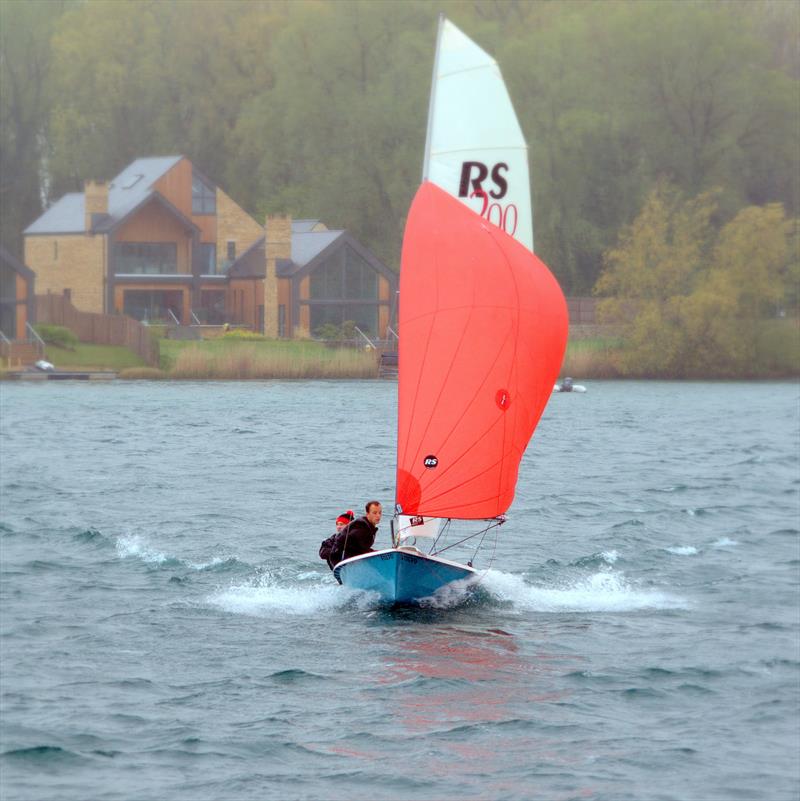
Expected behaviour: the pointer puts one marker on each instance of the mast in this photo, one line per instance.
(432, 98)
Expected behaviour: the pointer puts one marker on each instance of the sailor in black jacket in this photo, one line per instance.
(359, 536)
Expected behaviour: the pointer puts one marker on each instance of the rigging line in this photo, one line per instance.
(452, 487)
(485, 572)
(478, 548)
(413, 406)
(516, 327)
(470, 537)
(488, 468)
(460, 421)
(441, 531)
(463, 415)
(479, 150)
(513, 336)
(443, 379)
(482, 306)
(487, 65)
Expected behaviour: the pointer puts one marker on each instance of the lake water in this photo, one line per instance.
(168, 631)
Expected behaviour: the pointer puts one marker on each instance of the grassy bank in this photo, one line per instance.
(92, 357)
(597, 357)
(231, 359)
(592, 353)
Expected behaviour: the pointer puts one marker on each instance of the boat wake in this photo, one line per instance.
(312, 592)
(308, 593)
(290, 591)
(605, 591)
(137, 547)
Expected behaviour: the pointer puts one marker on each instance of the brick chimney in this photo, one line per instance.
(95, 200)
(277, 246)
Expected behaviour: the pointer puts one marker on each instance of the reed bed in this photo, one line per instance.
(254, 361)
(142, 374)
(593, 358)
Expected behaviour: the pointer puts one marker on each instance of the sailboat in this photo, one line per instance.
(482, 328)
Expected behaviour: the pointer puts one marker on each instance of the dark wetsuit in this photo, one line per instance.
(355, 538)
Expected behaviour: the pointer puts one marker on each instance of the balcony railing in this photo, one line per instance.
(145, 269)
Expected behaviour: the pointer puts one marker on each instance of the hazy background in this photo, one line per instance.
(318, 108)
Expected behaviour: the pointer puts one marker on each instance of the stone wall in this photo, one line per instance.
(95, 198)
(234, 225)
(73, 262)
(278, 246)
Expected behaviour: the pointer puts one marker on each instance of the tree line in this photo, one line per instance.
(318, 107)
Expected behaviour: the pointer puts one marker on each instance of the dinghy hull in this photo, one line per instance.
(400, 575)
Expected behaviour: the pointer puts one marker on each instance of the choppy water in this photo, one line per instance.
(168, 632)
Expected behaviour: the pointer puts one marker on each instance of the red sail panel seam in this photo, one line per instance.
(455, 426)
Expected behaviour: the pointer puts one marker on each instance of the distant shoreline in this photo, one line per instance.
(593, 353)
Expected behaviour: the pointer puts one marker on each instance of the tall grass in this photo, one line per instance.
(598, 357)
(776, 355)
(778, 348)
(142, 373)
(240, 360)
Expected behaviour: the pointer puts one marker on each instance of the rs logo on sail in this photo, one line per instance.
(505, 217)
(482, 171)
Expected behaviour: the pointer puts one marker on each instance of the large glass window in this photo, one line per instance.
(152, 305)
(146, 258)
(8, 301)
(212, 307)
(208, 258)
(204, 196)
(364, 315)
(344, 276)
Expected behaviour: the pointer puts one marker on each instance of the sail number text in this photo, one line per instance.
(473, 174)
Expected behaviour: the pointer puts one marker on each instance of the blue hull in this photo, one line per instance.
(399, 576)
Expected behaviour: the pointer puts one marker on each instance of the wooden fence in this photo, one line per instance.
(99, 329)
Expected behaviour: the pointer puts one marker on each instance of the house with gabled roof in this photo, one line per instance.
(162, 242)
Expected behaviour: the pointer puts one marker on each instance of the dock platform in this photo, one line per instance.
(60, 375)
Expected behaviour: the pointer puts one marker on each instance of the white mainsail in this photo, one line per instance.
(474, 149)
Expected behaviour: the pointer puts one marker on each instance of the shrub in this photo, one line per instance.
(243, 333)
(57, 335)
(330, 332)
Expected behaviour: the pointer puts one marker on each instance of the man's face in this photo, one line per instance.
(374, 514)
(340, 525)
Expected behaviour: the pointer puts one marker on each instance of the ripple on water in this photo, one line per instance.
(682, 550)
(164, 592)
(42, 756)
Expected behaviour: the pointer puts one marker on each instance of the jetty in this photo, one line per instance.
(60, 375)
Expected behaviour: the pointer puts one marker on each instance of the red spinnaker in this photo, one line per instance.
(483, 328)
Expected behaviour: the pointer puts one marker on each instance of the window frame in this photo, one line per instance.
(209, 262)
(120, 258)
(339, 269)
(204, 196)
